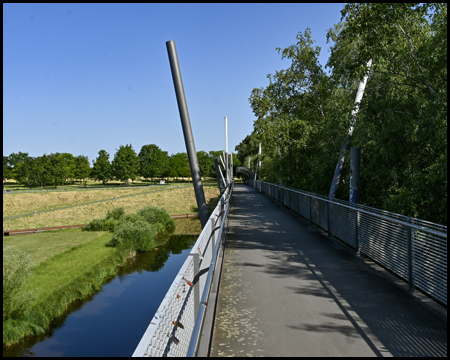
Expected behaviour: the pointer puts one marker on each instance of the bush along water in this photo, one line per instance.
(135, 232)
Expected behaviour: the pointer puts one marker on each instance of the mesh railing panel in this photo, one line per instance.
(343, 224)
(304, 208)
(382, 239)
(179, 302)
(430, 264)
(385, 242)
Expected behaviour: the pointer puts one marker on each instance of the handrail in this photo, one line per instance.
(193, 345)
(355, 208)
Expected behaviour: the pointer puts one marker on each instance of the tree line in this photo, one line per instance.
(304, 114)
(60, 168)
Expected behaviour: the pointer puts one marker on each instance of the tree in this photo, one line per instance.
(82, 168)
(23, 172)
(34, 171)
(69, 166)
(125, 165)
(205, 163)
(180, 165)
(153, 161)
(60, 167)
(13, 160)
(304, 114)
(7, 172)
(402, 124)
(101, 167)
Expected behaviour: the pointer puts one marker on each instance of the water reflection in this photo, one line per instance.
(112, 321)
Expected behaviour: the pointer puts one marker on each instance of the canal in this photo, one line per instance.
(112, 321)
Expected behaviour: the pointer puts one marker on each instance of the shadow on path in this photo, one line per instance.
(305, 290)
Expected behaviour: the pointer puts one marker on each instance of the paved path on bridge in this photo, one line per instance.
(288, 290)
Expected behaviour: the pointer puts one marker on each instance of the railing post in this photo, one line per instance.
(358, 250)
(213, 237)
(196, 259)
(328, 219)
(409, 237)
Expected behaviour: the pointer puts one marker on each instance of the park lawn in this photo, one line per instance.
(45, 245)
(64, 267)
(175, 201)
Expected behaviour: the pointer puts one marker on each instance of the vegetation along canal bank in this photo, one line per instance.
(110, 322)
(44, 273)
(59, 268)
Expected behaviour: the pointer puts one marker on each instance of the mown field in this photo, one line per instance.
(175, 201)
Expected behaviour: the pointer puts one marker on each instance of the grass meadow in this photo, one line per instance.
(175, 201)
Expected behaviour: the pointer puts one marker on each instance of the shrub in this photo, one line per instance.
(137, 235)
(155, 215)
(95, 225)
(17, 270)
(115, 213)
(109, 224)
(101, 225)
(128, 218)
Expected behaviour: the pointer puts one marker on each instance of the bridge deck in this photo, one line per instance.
(288, 290)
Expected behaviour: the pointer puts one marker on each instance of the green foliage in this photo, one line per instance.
(115, 213)
(125, 165)
(179, 165)
(153, 161)
(303, 115)
(17, 271)
(206, 164)
(136, 236)
(135, 232)
(15, 159)
(7, 171)
(101, 167)
(95, 225)
(82, 168)
(128, 218)
(154, 215)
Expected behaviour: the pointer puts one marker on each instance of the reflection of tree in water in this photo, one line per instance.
(152, 261)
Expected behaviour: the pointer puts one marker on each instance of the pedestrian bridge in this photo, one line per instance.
(305, 276)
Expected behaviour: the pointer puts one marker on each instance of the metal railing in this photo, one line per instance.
(182, 302)
(413, 249)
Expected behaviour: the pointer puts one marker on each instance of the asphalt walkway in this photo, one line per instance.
(289, 290)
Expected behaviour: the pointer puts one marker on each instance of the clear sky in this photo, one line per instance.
(79, 78)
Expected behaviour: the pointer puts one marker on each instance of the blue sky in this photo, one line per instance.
(79, 78)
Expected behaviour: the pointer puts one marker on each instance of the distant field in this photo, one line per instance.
(11, 184)
(18, 204)
(175, 201)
